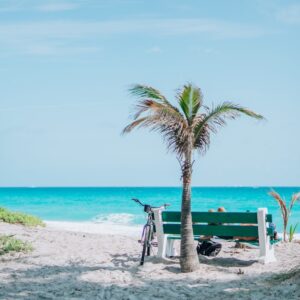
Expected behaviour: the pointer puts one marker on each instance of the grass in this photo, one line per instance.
(10, 244)
(19, 218)
(292, 231)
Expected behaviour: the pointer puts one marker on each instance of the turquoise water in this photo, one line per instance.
(114, 205)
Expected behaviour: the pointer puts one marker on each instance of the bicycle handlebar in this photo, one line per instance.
(139, 202)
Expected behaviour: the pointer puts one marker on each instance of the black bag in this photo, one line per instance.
(209, 248)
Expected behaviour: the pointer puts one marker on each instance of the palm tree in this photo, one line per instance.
(184, 128)
(286, 210)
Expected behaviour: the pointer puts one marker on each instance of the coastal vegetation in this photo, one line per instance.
(10, 244)
(292, 231)
(186, 128)
(286, 211)
(8, 216)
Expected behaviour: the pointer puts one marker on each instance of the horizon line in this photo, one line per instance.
(158, 186)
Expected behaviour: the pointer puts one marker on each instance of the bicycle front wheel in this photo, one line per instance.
(146, 244)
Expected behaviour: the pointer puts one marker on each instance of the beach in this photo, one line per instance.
(72, 264)
(127, 127)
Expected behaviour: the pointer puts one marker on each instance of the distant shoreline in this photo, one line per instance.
(150, 186)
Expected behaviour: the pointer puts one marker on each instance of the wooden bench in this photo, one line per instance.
(220, 224)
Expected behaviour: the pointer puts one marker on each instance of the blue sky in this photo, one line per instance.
(65, 71)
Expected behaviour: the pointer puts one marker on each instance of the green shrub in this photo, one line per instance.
(286, 209)
(10, 244)
(19, 218)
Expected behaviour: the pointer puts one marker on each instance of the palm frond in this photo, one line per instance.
(184, 127)
(202, 141)
(216, 118)
(294, 199)
(149, 95)
(135, 124)
(155, 112)
(144, 91)
(164, 119)
(152, 106)
(173, 131)
(190, 99)
(296, 196)
(282, 204)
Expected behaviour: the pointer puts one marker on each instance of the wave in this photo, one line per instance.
(115, 218)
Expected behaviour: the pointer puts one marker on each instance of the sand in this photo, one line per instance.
(67, 264)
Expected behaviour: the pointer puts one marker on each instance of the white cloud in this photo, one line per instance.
(34, 5)
(62, 29)
(58, 49)
(38, 35)
(55, 7)
(290, 14)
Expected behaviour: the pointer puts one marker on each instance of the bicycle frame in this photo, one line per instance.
(147, 237)
(148, 230)
(149, 223)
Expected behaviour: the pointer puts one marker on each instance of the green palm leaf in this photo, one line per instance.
(216, 117)
(147, 96)
(144, 91)
(190, 99)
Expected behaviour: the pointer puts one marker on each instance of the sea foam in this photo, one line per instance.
(115, 218)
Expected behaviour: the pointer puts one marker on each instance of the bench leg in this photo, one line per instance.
(162, 246)
(162, 239)
(267, 256)
(170, 251)
(266, 250)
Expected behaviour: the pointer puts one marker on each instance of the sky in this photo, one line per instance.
(65, 71)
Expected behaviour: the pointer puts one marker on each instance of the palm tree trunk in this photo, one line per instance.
(189, 261)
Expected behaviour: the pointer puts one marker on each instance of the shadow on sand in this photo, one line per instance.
(81, 281)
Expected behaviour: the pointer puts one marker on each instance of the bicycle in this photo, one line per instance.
(148, 229)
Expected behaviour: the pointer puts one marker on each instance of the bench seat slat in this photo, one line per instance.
(216, 217)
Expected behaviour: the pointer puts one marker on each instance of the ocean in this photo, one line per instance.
(113, 205)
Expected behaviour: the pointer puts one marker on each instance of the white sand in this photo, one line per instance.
(76, 265)
(98, 228)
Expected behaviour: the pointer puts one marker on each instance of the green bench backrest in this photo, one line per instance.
(215, 217)
(216, 223)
